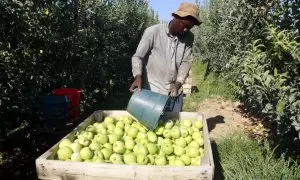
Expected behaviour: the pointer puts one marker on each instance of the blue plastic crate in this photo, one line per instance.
(55, 110)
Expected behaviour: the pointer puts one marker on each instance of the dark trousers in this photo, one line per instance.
(175, 104)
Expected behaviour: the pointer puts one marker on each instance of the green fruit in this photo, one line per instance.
(179, 162)
(201, 150)
(102, 131)
(169, 124)
(178, 151)
(167, 133)
(171, 157)
(108, 146)
(76, 157)
(142, 129)
(94, 146)
(144, 141)
(141, 135)
(151, 136)
(188, 139)
(127, 127)
(76, 146)
(184, 132)
(99, 126)
(152, 148)
(106, 153)
(130, 158)
(127, 120)
(120, 124)
(193, 152)
(198, 124)
(128, 151)
(132, 132)
(160, 160)
(194, 144)
(101, 138)
(96, 124)
(65, 143)
(91, 129)
(142, 159)
(160, 141)
(151, 159)
(84, 141)
(159, 130)
(113, 138)
(64, 153)
(181, 142)
(110, 128)
(167, 141)
(119, 147)
(98, 160)
(86, 153)
(172, 162)
(187, 123)
(98, 154)
(190, 130)
(167, 149)
(88, 135)
(140, 149)
(118, 131)
(109, 120)
(116, 159)
(175, 132)
(186, 159)
(195, 129)
(197, 135)
(195, 161)
(201, 141)
(129, 144)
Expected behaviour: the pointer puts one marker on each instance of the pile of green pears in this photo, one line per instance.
(123, 140)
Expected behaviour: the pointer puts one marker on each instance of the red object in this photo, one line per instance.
(74, 96)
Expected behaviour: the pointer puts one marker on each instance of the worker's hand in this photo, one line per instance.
(137, 83)
(175, 88)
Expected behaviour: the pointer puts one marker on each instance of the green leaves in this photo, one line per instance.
(268, 81)
(255, 45)
(229, 26)
(77, 43)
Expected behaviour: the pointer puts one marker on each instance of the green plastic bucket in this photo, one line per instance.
(147, 107)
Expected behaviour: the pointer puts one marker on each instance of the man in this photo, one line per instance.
(164, 55)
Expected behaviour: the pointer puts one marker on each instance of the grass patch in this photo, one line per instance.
(211, 86)
(244, 158)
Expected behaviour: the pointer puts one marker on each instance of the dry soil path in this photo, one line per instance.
(223, 117)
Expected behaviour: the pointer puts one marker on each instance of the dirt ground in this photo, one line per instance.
(225, 117)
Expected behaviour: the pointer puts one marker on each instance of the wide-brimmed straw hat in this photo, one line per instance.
(188, 9)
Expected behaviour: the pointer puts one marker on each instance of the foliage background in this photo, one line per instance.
(48, 44)
(254, 45)
(76, 43)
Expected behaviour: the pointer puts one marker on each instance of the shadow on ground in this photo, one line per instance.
(211, 122)
(218, 174)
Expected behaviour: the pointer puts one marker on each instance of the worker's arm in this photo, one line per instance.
(141, 53)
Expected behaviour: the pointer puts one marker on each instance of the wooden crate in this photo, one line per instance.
(47, 168)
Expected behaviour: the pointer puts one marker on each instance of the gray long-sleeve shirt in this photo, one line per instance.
(162, 59)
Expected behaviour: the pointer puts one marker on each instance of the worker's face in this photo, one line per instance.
(182, 26)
